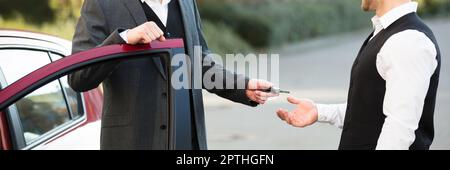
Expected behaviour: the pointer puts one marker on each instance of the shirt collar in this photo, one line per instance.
(152, 3)
(393, 15)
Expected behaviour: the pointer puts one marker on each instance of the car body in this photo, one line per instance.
(38, 109)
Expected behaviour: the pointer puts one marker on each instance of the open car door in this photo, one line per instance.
(12, 137)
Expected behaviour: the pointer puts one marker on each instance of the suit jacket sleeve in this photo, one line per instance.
(92, 31)
(236, 94)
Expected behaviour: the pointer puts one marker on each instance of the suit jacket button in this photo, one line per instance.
(164, 95)
(163, 127)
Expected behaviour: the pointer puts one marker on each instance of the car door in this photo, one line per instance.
(40, 113)
(31, 105)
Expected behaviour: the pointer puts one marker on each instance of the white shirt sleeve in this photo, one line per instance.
(333, 114)
(407, 61)
(124, 36)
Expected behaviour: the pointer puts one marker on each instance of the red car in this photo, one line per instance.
(38, 109)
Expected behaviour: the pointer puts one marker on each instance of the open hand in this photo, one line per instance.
(304, 115)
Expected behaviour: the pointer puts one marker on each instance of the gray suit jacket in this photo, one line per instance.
(134, 90)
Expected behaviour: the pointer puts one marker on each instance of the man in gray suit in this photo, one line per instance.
(135, 114)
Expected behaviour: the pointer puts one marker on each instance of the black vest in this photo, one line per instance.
(364, 117)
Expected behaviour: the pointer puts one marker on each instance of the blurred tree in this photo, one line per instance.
(66, 9)
(434, 7)
(39, 12)
(34, 11)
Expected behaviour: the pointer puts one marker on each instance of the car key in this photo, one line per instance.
(275, 90)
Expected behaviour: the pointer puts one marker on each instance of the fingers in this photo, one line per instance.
(266, 95)
(141, 35)
(256, 90)
(287, 117)
(255, 84)
(293, 100)
(150, 35)
(155, 33)
(155, 30)
(272, 94)
(263, 96)
(145, 38)
(252, 95)
(260, 100)
(162, 38)
(145, 34)
(283, 114)
(150, 32)
(262, 84)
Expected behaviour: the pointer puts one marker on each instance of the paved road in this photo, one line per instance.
(311, 71)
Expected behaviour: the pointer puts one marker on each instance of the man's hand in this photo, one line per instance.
(304, 115)
(145, 34)
(255, 91)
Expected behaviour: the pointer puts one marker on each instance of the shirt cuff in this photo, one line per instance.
(324, 113)
(123, 34)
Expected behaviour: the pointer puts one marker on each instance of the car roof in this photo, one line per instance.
(20, 38)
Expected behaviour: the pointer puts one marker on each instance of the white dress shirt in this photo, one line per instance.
(161, 9)
(406, 62)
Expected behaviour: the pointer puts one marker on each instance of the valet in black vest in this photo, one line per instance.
(186, 135)
(393, 86)
(364, 117)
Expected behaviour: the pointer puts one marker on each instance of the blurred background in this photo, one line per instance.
(317, 41)
(240, 25)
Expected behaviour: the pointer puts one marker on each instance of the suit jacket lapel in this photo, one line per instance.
(190, 29)
(138, 14)
(187, 16)
(187, 21)
(136, 11)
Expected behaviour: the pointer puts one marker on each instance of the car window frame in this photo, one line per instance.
(14, 124)
(5, 137)
(80, 96)
(12, 113)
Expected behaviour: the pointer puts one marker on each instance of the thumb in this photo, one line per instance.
(162, 38)
(263, 84)
(293, 100)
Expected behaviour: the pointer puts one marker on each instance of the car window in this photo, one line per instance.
(73, 98)
(16, 63)
(44, 109)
